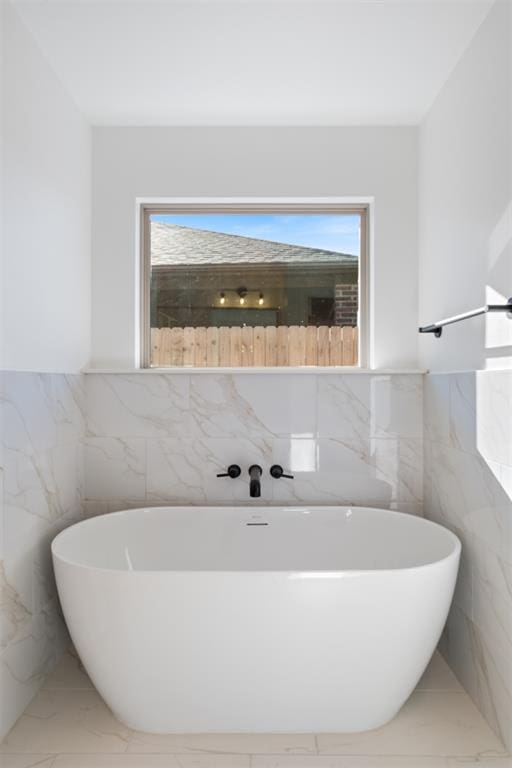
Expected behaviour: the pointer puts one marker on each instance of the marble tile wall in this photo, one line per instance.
(42, 429)
(156, 438)
(468, 488)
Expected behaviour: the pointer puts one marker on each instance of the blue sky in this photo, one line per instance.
(334, 232)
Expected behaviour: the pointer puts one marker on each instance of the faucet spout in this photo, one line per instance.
(255, 473)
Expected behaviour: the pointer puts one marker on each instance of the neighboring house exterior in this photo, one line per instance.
(198, 278)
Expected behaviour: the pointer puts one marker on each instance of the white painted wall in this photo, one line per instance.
(46, 158)
(465, 203)
(130, 163)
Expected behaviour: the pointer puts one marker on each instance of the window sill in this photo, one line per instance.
(314, 369)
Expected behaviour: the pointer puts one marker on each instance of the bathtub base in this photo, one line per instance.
(256, 652)
(308, 724)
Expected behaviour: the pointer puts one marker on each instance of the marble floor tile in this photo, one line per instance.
(229, 743)
(376, 761)
(61, 721)
(152, 761)
(438, 676)
(69, 673)
(27, 761)
(430, 723)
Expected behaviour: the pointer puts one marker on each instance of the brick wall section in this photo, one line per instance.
(345, 304)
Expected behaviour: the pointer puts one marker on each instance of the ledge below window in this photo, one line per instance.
(329, 370)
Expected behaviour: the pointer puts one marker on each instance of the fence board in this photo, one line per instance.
(311, 345)
(177, 346)
(155, 347)
(322, 346)
(297, 345)
(247, 345)
(188, 346)
(282, 345)
(212, 346)
(166, 343)
(336, 346)
(225, 346)
(258, 357)
(200, 348)
(270, 346)
(348, 346)
(236, 346)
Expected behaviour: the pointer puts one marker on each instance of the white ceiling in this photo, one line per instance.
(253, 62)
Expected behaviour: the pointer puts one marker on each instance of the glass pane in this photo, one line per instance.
(254, 289)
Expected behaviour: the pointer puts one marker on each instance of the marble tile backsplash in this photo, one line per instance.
(161, 438)
(468, 488)
(43, 425)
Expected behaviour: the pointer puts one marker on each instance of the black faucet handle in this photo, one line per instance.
(277, 471)
(233, 471)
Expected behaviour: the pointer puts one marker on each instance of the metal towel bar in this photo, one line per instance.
(437, 328)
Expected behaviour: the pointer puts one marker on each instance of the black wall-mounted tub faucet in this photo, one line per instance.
(255, 473)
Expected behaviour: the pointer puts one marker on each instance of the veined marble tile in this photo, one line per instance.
(400, 464)
(70, 407)
(28, 414)
(396, 406)
(492, 614)
(62, 721)
(457, 647)
(115, 468)
(40, 487)
(42, 459)
(93, 508)
(152, 761)
(506, 480)
(16, 607)
(494, 572)
(328, 472)
(283, 405)
(225, 405)
(27, 761)
(41, 410)
(227, 743)
(495, 689)
(465, 491)
(356, 408)
(43, 493)
(436, 407)
(494, 415)
(463, 415)
(484, 674)
(126, 406)
(2, 547)
(185, 470)
(26, 661)
(430, 723)
(376, 761)
(344, 404)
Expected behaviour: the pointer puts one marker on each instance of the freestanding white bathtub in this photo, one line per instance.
(240, 619)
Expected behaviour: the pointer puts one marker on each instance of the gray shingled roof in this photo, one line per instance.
(174, 245)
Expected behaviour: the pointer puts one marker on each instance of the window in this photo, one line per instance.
(251, 286)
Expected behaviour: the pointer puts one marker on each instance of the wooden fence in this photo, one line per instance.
(249, 347)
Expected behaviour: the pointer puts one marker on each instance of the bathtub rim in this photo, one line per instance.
(289, 573)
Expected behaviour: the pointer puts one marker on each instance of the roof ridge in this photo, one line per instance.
(254, 239)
